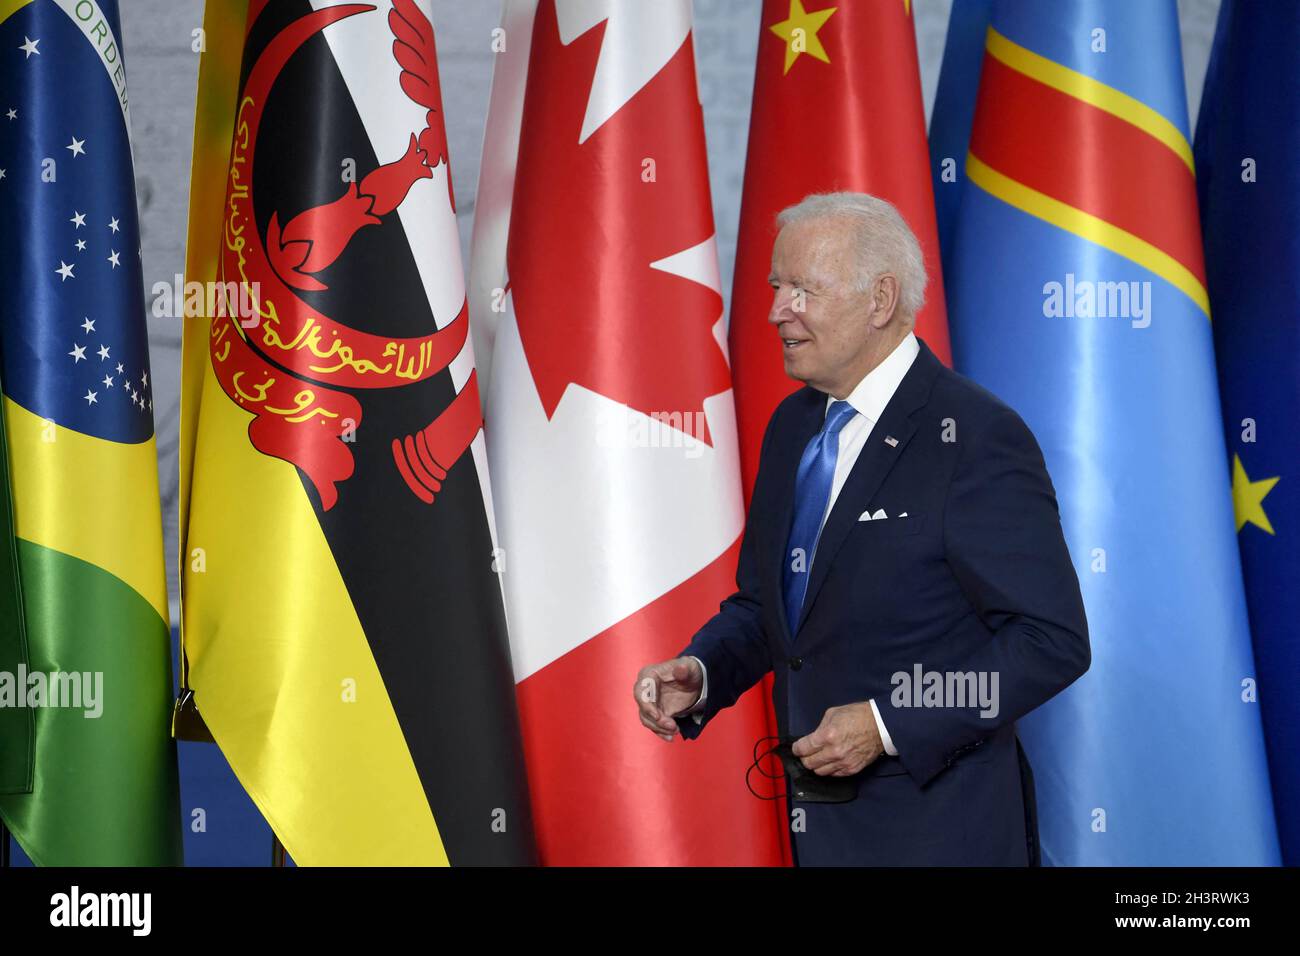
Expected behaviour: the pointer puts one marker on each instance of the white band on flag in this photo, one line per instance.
(95, 27)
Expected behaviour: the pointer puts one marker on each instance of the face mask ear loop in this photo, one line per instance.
(757, 765)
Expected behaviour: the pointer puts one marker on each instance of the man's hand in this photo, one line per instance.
(846, 741)
(662, 690)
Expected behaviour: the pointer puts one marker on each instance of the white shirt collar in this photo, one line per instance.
(877, 387)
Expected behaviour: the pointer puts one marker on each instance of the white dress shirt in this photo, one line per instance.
(868, 399)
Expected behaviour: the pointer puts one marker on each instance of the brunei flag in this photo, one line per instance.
(343, 625)
(1077, 293)
(1247, 139)
(87, 767)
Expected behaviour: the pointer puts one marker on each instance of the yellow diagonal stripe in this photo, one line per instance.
(280, 665)
(278, 660)
(90, 498)
(1067, 217)
(1093, 92)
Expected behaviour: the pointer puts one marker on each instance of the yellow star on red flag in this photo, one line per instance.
(799, 31)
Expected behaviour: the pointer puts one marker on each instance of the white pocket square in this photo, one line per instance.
(880, 513)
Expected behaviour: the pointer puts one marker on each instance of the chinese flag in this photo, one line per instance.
(837, 106)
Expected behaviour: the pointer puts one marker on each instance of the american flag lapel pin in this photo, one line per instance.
(891, 441)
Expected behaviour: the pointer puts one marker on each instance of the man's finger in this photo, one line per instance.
(820, 758)
(683, 670)
(658, 721)
(807, 746)
(831, 768)
(653, 725)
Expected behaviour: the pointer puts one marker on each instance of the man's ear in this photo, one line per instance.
(884, 299)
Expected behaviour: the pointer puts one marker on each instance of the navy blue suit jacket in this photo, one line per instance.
(976, 579)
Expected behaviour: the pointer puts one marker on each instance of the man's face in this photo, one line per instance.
(824, 324)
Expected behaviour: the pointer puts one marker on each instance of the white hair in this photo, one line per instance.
(884, 241)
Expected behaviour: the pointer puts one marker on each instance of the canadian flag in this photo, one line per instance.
(611, 429)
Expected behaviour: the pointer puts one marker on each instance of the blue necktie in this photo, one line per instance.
(812, 490)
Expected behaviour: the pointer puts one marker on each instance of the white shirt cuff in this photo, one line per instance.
(884, 734)
(696, 710)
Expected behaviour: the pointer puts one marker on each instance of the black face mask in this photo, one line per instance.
(805, 786)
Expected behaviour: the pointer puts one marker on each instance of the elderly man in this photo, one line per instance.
(903, 571)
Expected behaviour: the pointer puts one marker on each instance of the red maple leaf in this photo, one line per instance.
(585, 226)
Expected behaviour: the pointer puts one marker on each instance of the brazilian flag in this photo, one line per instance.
(87, 766)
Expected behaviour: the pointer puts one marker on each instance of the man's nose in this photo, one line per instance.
(781, 310)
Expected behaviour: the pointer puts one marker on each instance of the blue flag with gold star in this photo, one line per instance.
(1247, 141)
(87, 764)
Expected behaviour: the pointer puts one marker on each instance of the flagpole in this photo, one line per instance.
(278, 855)
(4, 846)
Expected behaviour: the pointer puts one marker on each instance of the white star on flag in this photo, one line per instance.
(2, 174)
(113, 259)
(103, 352)
(76, 147)
(78, 219)
(29, 47)
(90, 397)
(119, 368)
(89, 324)
(65, 270)
(12, 114)
(112, 224)
(108, 381)
(81, 245)
(78, 353)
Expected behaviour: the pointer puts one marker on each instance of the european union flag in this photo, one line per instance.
(87, 766)
(1078, 294)
(1247, 141)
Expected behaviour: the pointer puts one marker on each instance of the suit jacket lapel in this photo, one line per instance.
(871, 468)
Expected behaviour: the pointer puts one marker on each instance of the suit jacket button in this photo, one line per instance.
(796, 663)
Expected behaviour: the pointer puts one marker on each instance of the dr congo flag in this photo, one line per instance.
(344, 634)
